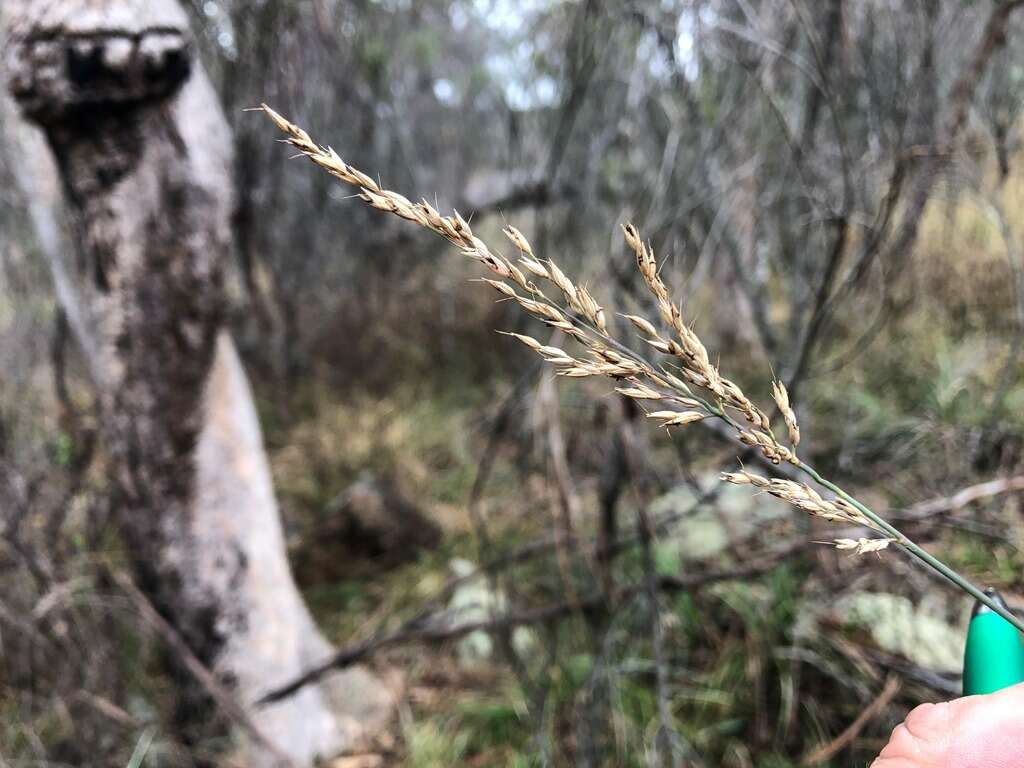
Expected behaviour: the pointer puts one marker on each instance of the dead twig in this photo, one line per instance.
(414, 630)
(826, 752)
(963, 497)
(197, 669)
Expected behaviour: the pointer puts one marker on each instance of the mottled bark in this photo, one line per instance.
(144, 157)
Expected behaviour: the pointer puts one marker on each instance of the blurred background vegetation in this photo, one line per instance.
(774, 151)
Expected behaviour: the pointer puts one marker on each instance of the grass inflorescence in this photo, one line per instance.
(683, 387)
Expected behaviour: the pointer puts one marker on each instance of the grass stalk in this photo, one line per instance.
(918, 552)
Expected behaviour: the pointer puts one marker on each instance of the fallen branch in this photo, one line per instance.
(963, 497)
(414, 630)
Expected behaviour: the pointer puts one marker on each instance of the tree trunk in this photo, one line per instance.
(144, 156)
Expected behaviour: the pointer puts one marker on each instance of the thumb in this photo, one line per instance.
(972, 732)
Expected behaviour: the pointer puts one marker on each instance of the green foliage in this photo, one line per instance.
(64, 450)
(493, 724)
(430, 745)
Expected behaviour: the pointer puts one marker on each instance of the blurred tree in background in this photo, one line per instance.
(834, 189)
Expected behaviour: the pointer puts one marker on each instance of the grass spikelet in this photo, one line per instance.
(863, 546)
(801, 496)
(677, 418)
(564, 283)
(781, 397)
(639, 392)
(644, 326)
(519, 240)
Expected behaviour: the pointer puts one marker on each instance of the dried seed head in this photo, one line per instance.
(283, 125)
(517, 275)
(518, 240)
(378, 201)
(553, 353)
(541, 309)
(746, 478)
(694, 365)
(675, 382)
(794, 432)
(662, 346)
(503, 288)
(590, 308)
(534, 267)
(863, 546)
(640, 392)
(644, 326)
(629, 230)
(801, 496)
(677, 418)
(286, 126)
(496, 264)
(335, 166)
(781, 397)
(462, 227)
(403, 206)
(529, 341)
(772, 451)
(670, 313)
(361, 179)
(564, 283)
(736, 478)
(568, 328)
(578, 372)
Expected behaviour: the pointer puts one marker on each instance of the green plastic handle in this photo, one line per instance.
(994, 657)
